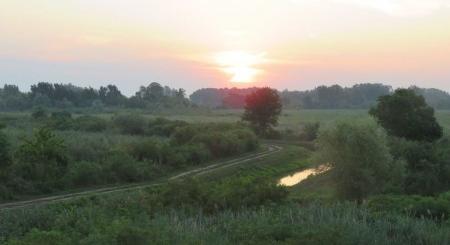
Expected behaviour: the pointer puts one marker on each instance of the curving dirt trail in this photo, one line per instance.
(271, 149)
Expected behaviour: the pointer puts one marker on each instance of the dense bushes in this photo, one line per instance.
(360, 157)
(419, 206)
(90, 124)
(140, 218)
(428, 165)
(83, 156)
(42, 159)
(229, 194)
(133, 124)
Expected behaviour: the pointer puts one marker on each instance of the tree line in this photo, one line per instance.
(153, 96)
(359, 96)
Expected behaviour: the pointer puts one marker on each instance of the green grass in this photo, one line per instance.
(289, 119)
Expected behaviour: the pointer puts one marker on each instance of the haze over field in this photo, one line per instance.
(295, 44)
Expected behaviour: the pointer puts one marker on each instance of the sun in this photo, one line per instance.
(240, 65)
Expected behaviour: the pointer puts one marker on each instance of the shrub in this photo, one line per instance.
(428, 165)
(164, 127)
(148, 149)
(60, 121)
(122, 167)
(37, 237)
(183, 135)
(419, 206)
(90, 124)
(5, 158)
(130, 124)
(310, 131)
(42, 158)
(360, 157)
(39, 113)
(85, 174)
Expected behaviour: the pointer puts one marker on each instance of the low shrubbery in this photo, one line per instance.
(419, 206)
(49, 160)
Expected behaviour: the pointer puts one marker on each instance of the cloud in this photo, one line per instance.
(402, 8)
(397, 8)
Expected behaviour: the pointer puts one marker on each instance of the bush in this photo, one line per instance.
(39, 113)
(82, 174)
(360, 157)
(310, 131)
(428, 165)
(90, 124)
(164, 127)
(37, 237)
(148, 149)
(419, 206)
(130, 124)
(5, 158)
(122, 167)
(42, 159)
(229, 194)
(60, 121)
(183, 135)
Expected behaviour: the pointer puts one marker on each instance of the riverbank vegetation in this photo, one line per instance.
(386, 185)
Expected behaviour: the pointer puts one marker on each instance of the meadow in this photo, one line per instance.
(237, 204)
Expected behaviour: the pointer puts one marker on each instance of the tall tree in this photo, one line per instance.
(360, 159)
(406, 114)
(262, 109)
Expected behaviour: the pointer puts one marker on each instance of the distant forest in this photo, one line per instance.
(360, 96)
(154, 96)
(158, 97)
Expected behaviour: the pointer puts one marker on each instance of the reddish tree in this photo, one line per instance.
(262, 109)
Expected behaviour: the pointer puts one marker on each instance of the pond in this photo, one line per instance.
(298, 177)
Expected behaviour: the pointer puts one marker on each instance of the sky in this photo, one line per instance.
(285, 44)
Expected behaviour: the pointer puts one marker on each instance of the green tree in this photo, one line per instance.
(5, 159)
(360, 159)
(43, 159)
(262, 109)
(406, 114)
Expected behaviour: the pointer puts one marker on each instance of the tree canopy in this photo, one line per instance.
(262, 109)
(360, 158)
(406, 114)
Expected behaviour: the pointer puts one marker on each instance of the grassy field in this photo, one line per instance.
(289, 119)
(293, 119)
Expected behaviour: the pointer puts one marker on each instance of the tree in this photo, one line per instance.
(43, 158)
(262, 109)
(5, 159)
(406, 114)
(360, 159)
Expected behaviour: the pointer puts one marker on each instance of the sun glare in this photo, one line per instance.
(240, 65)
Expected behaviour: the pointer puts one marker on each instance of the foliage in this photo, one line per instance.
(43, 159)
(428, 164)
(163, 127)
(262, 109)
(130, 218)
(437, 208)
(360, 158)
(310, 131)
(60, 120)
(405, 114)
(133, 124)
(90, 124)
(39, 113)
(5, 158)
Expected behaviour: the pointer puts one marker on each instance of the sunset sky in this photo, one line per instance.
(294, 44)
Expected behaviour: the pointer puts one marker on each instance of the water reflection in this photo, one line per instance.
(302, 175)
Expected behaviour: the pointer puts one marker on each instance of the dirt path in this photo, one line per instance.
(271, 149)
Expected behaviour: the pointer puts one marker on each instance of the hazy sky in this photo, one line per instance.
(295, 44)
